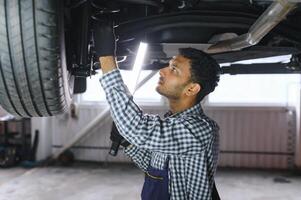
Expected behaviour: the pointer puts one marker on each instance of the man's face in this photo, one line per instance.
(174, 78)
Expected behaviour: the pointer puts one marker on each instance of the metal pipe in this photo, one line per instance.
(147, 78)
(259, 68)
(272, 16)
(145, 2)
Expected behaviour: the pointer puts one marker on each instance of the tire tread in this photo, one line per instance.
(30, 70)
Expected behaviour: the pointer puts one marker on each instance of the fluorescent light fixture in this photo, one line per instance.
(137, 67)
(273, 59)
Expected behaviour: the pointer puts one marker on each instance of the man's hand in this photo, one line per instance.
(117, 138)
(105, 45)
(105, 41)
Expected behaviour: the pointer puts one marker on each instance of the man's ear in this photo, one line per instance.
(193, 89)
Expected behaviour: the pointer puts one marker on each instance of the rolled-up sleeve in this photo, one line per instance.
(150, 132)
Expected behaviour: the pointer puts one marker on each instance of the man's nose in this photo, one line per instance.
(162, 71)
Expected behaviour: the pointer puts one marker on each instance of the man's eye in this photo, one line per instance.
(173, 68)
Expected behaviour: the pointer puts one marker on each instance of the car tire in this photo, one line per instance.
(34, 80)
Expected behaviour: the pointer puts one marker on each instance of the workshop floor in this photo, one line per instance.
(115, 182)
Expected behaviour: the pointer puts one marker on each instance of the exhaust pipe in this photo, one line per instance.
(272, 16)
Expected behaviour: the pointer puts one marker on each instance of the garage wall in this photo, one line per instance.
(261, 137)
(256, 137)
(95, 146)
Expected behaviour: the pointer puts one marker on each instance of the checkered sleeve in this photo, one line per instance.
(150, 132)
(139, 156)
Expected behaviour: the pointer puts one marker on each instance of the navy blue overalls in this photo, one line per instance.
(156, 183)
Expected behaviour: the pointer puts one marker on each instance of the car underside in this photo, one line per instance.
(47, 46)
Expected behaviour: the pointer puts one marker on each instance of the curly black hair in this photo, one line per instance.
(204, 70)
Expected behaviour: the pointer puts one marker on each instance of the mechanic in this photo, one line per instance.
(179, 152)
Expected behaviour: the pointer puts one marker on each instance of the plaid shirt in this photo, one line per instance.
(189, 138)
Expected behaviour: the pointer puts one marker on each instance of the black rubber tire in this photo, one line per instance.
(33, 76)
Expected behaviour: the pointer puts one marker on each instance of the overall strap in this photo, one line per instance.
(215, 195)
(166, 164)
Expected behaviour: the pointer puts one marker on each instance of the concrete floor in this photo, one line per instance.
(115, 182)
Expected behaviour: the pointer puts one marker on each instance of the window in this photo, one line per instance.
(264, 89)
(271, 89)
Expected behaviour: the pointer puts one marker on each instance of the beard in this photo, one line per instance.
(170, 92)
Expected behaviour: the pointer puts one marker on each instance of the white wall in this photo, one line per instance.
(261, 137)
(57, 131)
(298, 132)
(256, 137)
